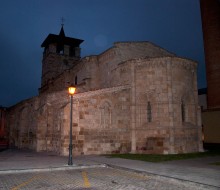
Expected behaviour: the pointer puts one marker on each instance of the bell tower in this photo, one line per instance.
(60, 53)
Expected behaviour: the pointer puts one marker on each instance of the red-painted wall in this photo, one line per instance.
(3, 131)
(210, 12)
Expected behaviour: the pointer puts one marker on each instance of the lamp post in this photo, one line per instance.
(71, 91)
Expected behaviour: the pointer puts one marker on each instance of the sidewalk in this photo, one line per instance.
(14, 161)
(194, 170)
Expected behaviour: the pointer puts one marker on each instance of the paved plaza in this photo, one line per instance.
(30, 170)
(94, 178)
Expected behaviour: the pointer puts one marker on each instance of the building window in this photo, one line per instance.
(149, 113)
(105, 114)
(183, 111)
(60, 50)
(75, 81)
(72, 52)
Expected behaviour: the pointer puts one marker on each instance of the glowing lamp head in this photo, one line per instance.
(71, 90)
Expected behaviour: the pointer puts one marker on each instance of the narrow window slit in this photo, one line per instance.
(149, 113)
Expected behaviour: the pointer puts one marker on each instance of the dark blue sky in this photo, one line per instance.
(172, 24)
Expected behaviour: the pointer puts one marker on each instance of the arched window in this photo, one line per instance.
(105, 114)
(72, 52)
(149, 113)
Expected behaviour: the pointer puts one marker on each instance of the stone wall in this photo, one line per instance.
(22, 124)
(165, 84)
(141, 105)
(101, 122)
(93, 72)
(54, 65)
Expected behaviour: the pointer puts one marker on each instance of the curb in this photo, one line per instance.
(74, 167)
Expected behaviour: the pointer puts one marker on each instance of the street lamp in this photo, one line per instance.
(71, 91)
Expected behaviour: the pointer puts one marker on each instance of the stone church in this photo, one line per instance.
(135, 97)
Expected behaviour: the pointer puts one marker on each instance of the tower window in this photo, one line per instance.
(72, 52)
(60, 50)
(149, 114)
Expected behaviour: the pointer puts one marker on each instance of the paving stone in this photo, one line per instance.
(98, 179)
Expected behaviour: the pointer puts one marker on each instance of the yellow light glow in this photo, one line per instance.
(71, 90)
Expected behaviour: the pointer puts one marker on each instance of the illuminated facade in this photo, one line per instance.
(134, 97)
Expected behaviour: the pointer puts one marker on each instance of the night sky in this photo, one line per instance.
(172, 24)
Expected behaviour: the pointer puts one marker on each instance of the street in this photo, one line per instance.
(93, 178)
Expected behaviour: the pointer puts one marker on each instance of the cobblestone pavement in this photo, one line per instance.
(93, 179)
